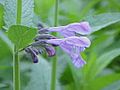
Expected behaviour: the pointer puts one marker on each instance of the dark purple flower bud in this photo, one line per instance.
(39, 43)
(40, 26)
(50, 51)
(44, 36)
(41, 50)
(27, 50)
(34, 57)
(54, 45)
(43, 31)
(33, 54)
(35, 50)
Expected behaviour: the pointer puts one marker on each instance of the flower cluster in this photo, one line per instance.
(40, 45)
(71, 43)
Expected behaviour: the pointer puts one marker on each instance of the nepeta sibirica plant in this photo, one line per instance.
(71, 43)
(59, 45)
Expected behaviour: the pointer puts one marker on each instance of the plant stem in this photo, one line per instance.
(56, 13)
(53, 77)
(54, 62)
(16, 70)
(16, 62)
(19, 11)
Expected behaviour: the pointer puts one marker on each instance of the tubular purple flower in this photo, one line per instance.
(74, 40)
(82, 28)
(73, 46)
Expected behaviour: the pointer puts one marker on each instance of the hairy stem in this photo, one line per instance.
(16, 62)
(54, 62)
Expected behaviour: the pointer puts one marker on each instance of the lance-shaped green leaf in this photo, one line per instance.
(113, 86)
(102, 82)
(21, 36)
(104, 60)
(11, 10)
(100, 21)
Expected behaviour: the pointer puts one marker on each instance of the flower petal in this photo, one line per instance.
(81, 28)
(78, 41)
(56, 29)
(78, 61)
(54, 41)
(74, 40)
(67, 33)
(66, 47)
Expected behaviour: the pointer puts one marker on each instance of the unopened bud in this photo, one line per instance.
(33, 54)
(39, 43)
(50, 51)
(43, 31)
(41, 50)
(40, 26)
(44, 36)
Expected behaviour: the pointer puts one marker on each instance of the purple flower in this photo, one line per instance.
(82, 28)
(73, 46)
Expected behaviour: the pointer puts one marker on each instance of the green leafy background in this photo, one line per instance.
(102, 71)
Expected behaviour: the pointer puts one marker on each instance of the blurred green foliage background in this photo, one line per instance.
(102, 71)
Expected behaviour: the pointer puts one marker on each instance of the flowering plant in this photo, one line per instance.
(71, 43)
(82, 35)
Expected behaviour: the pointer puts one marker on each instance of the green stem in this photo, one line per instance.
(56, 13)
(19, 11)
(54, 62)
(16, 62)
(16, 70)
(53, 77)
